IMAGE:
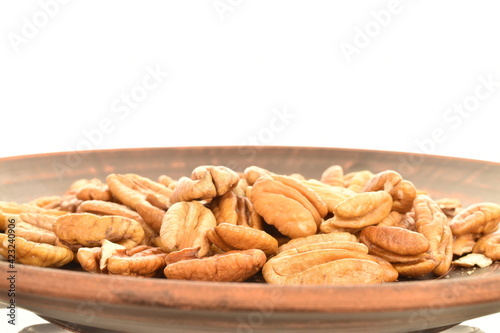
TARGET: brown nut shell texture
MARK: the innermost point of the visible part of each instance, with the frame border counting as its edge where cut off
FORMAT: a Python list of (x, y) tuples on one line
[(229, 237), (232, 266), (35, 254), (88, 230), (206, 182), (310, 265), (186, 225), (402, 191), (481, 218), (284, 202)]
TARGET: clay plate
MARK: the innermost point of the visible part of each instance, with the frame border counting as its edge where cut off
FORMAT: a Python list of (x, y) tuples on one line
[(87, 302)]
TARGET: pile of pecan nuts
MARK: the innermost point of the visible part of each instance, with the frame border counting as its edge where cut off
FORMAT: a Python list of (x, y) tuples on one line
[(219, 225)]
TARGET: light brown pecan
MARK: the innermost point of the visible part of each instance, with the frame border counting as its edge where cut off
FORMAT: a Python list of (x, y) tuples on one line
[(149, 198), (306, 265), (94, 190), (464, 244), (331, 195), (206, 182), (402, 191), (237, 210), (186, 225), (241, 187), (431, 222), (167, 182), (318, 238), (34, 234), (83, 189), (473, 259), (489, 245), (252, 173), (187, 253), (333, 175), (415, 268), (142, 261), (106, 208), (395, 219), (450, 206), (232, 266), (12, 209), (355, 181), (89, 258), (108, 249), (39, 220), (285, 203), (394, 240), (88, 230), (230, 237), (359, 211), (35, 254), (47, 202), (482, 218), (131, 188)]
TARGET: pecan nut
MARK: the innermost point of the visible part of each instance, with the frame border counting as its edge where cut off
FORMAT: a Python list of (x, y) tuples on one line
[(331, 195), (359, 211), (88, 230), (106, 208), (355, 181), (206, 182), (186, 225), (489, 245), (402, 191), (237, 210), (149, 198), (464, 244), (284, 202), (36, 254), (229, 237), (232, 266), (333, 175), (89, 258), (318, 238), (431, 222), (482, 218), (143, 261), (327, 266), (34, 234), (8, 209)]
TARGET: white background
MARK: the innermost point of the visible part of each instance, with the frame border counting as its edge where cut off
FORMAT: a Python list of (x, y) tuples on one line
[(234, 65)]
